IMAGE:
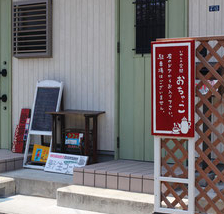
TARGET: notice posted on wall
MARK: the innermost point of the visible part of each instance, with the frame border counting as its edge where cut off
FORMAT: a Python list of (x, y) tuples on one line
[(64, 163)]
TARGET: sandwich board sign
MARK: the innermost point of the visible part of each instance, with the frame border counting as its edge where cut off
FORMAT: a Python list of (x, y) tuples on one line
[(173, 101), (64, 163), (173, 94), (47, 98)]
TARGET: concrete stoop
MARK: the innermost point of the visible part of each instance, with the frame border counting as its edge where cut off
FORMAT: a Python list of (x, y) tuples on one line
[(37, 182), (7, 187), (39, 188), (104, 200), (21, 204)]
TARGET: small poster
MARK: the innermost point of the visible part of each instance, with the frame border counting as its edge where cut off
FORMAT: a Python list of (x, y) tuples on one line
[(73, 139), (40, 153), (27, 125), (64, 163)]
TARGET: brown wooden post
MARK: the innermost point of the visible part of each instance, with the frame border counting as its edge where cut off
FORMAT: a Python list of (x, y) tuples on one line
[(54, 143), (95, 139), (87, 153), (62, 117)]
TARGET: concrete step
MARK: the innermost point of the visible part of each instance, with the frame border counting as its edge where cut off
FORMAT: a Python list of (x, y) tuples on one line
[(7, 187), (104, 200), (37, 182), (21, 204)]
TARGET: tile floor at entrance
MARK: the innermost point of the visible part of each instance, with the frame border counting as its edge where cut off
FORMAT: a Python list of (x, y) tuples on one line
[(128, 175), (10, 161)]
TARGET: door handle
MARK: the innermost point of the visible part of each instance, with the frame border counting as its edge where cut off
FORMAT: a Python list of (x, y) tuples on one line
[(3, 98), (3, 72)]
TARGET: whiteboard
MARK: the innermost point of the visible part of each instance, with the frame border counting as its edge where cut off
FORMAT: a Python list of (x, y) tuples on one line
[(64, 163)]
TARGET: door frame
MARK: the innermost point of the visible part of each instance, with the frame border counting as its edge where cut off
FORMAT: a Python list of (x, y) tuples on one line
[(117, 81), (6, 62), (117, 64)]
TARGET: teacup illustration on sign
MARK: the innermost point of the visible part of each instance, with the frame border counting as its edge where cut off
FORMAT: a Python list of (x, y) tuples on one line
[(184, 126), (176, 130)]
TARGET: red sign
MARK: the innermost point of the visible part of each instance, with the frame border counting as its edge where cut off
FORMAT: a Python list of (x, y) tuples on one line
[(18, 142), (173, 83)]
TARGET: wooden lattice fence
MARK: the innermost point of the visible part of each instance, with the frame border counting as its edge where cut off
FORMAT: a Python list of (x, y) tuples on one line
[(209, 163)]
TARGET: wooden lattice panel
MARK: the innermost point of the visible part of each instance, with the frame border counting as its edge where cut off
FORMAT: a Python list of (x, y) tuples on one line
[(173, 160), (174, 151), (209, 129), (209, 180), (174, 195)]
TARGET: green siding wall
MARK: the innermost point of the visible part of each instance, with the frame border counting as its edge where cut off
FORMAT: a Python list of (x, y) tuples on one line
[(176, 18), (5, 82)]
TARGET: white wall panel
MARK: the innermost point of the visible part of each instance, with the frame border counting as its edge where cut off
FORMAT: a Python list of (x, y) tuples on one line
[(83, 58), (205, 23)]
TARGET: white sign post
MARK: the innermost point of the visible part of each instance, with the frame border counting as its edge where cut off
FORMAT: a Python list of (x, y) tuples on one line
[(190, 181), (173, 110)]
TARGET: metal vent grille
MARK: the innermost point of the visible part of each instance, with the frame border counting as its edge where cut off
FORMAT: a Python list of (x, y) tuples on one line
[(32, 29)]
